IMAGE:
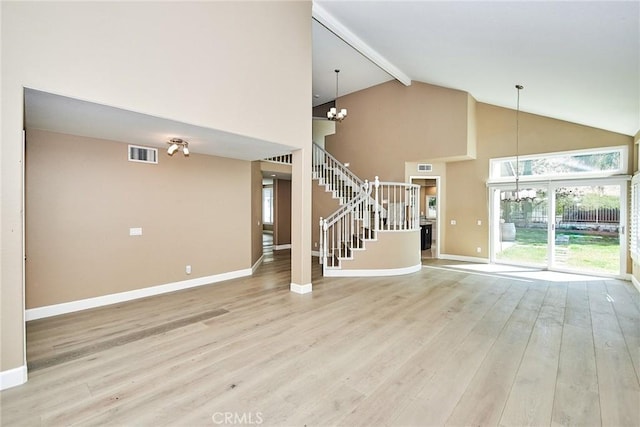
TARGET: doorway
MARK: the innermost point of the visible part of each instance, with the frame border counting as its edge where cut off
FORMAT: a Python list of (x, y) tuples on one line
[(573, 226), (429, 214)]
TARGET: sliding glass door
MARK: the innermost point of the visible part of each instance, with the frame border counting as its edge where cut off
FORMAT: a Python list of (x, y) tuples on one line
[(575, 226), (522, 226), (588, 227)]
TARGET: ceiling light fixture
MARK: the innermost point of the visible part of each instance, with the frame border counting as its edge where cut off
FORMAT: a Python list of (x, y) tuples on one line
[(177, 144), (518, 195), (333, 114)]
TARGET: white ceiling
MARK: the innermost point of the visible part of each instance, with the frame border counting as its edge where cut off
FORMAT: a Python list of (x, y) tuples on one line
[(72, 116), (578, 61)]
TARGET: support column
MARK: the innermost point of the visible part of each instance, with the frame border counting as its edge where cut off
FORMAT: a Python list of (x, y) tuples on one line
[(301, 221)]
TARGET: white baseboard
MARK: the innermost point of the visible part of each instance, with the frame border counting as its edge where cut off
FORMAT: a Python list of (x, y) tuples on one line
[(281, 247), (635, 282), (330, 272), (257, 264), (84, 304), (13, 377), (301, 289), (464, 258)]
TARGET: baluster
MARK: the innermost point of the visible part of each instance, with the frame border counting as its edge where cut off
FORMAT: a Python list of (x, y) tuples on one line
[(376, 206)]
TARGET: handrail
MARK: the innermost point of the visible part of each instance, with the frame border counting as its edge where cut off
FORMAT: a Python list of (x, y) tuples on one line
[(395, 208), (331, 172)]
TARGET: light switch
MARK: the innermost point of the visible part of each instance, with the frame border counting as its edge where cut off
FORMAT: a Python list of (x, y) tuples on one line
[(479, 222), (453, 222), (135, 231)]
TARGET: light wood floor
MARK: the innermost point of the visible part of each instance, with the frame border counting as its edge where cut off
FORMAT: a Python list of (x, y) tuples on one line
[(436, 347)]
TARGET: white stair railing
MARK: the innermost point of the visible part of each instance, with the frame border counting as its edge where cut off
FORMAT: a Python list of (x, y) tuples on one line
[(393, 206), (334, 175), (346, 229), (396, 207)]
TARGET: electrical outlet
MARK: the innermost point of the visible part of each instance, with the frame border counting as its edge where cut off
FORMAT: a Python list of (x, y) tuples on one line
[(453, 222), (315, 244), (187, 269), (479, 222), (478, 249)]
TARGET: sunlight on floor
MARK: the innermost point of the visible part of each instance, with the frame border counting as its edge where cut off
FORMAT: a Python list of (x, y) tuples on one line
[(521, 273)]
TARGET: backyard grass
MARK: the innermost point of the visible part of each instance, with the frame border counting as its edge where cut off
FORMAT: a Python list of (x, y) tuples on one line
[(589, 252)]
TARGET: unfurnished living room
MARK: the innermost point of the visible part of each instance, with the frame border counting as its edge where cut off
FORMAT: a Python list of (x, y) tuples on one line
[(298, 213)]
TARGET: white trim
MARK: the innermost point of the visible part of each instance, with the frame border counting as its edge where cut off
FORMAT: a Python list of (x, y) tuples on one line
[(13, 377), (301, 289), (327, 20), (257, 264), (464, 258), (84, 304), (330, 272), (636, 283), (281, 247), (315, 253)]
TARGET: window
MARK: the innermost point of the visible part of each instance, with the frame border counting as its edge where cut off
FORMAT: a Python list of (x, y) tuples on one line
[(267, 205), (581, 163)]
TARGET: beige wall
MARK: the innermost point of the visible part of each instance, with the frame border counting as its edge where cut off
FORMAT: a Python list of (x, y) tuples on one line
[(282, 212), (256, 212), (392, 250), (467, 194), (82, 196), (390, 124), (140, 56)]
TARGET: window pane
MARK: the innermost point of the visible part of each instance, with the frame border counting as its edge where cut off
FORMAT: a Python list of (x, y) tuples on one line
[(598, 163)]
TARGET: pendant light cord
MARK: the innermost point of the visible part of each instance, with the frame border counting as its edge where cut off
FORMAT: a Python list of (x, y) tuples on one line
[(519, 87)]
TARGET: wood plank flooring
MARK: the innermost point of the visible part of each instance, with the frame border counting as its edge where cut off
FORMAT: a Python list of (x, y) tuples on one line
[(442, 346)]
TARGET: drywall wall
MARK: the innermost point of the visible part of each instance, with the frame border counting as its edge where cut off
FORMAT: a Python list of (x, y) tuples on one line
[(139, 56), (256, 212), (282, 212), (390, 124), (466, 191), (83, 196), (391, 251)]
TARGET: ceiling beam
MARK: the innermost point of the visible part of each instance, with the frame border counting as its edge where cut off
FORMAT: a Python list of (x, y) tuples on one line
[(321, 15)]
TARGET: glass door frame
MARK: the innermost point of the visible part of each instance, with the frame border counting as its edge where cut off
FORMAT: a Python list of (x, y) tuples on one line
[(551, 187)]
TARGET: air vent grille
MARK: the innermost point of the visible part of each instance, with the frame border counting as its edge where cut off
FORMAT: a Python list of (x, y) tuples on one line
[(425, 167), (143, 154)]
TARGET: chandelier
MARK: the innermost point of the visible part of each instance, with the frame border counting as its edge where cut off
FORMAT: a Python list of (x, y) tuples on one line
[(333, 114), (177, 144), (518, 195)]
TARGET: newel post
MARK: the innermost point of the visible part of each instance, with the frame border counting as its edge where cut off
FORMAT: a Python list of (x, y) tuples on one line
[(321, 242), (376, 205)]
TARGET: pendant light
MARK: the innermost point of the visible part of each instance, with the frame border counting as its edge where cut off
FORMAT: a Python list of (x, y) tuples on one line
[(518, 195), (333, 114)]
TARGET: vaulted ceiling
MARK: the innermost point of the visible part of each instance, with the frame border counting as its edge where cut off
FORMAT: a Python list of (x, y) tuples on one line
[(578, 61)]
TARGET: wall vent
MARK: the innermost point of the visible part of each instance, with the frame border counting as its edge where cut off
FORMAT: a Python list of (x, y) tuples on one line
[(143, 154), (425, 167)]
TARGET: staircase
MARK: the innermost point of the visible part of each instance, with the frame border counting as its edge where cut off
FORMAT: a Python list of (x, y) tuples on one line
[(366, 210)]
